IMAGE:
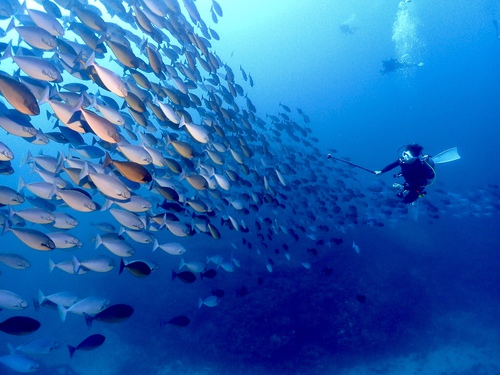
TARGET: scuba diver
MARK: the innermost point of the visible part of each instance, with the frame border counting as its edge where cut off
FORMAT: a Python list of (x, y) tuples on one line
[(347, 29), (417, 170), (391, 65)]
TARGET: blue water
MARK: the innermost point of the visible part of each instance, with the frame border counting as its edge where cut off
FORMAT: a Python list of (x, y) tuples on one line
[(421, 297)]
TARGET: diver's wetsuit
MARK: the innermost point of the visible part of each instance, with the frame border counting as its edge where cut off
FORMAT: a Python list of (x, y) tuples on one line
[(416, 175)]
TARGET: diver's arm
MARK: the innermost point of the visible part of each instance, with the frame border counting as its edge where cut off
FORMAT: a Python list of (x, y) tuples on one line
[(391, 166)]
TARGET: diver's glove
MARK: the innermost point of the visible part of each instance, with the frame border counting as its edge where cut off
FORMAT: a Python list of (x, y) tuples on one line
[(377, 173)]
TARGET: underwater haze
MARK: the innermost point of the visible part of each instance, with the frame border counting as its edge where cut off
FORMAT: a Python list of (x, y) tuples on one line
[(188, 187)]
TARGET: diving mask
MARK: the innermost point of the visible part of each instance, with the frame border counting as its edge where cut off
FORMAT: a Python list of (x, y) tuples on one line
[(407, 157)]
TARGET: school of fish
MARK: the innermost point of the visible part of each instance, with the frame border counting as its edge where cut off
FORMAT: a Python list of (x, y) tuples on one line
[(133, 123)]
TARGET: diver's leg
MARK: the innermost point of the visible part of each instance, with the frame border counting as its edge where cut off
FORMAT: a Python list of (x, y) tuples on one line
[(411, 196)]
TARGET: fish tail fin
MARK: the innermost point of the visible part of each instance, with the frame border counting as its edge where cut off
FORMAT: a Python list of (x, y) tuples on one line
[(23, 8), (182, 122), (88, 320), (6, 227), (76, 265), (107, 205), (144, 221), (53, 191), (93, 103), (90, 61), (182, 264), (183, 175), (71, 351), (76, 116), (174, 275), (52, 265), (27, 158), (11, 25), (8, 52), (122, 266), (41, 297), (98, 241), (107, 160), (84, 173), (162, 323), (78, 106), (156, 245), (163, 221), (11, 212), (200, 303), (63, 312), (45, 96), (61, 157)]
